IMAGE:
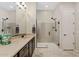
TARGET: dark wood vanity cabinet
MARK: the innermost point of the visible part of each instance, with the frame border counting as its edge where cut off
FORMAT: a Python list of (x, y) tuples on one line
[(24, 51), (27, 50), (31, 47)]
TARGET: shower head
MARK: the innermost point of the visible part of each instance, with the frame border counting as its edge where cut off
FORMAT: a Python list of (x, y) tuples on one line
[(53, 18), (5, 18)]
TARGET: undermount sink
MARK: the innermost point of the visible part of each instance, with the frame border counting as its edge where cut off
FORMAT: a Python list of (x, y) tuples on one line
[(5, 39)]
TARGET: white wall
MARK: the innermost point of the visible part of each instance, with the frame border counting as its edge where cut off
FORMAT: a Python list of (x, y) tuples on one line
[(21, 19), (31, 16)]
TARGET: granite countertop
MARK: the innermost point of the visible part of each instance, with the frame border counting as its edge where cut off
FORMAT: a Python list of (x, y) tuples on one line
[(17, 43)]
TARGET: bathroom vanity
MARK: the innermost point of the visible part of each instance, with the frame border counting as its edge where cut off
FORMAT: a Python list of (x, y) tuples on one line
[(27, 49), (19, 47)]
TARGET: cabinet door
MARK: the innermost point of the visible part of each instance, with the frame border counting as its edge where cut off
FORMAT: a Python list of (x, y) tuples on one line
[(16, 55), (21, 53), (30, 48), (33, 44), (26, 51)]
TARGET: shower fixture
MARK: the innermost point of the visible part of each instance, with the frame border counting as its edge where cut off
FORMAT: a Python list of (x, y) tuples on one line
[(53, 18), (4, 19), (55, 23)]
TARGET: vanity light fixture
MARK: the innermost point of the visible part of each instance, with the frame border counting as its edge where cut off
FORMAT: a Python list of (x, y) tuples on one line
[(21, 5)]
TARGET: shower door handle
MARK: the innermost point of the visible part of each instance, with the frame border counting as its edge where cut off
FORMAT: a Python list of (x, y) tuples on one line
[(65, 34)]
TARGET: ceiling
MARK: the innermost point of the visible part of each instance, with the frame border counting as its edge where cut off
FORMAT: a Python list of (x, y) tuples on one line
[(47, 5), (8, 6)]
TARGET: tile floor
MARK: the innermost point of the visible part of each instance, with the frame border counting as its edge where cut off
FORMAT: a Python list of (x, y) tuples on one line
[(52, 50)]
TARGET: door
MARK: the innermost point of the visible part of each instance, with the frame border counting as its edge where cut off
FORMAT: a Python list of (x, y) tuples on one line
[(67, 34), (68, 28)]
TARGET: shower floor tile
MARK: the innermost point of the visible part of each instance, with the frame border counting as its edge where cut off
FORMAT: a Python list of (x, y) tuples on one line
[(52, 50)]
